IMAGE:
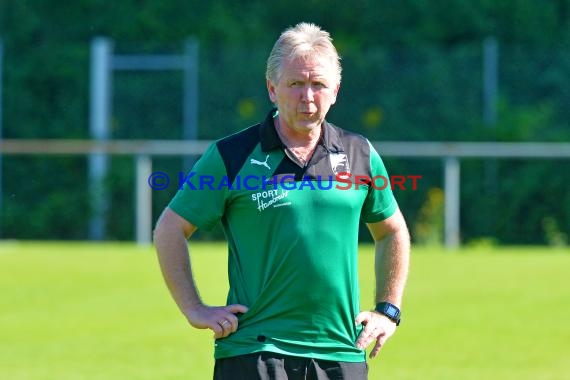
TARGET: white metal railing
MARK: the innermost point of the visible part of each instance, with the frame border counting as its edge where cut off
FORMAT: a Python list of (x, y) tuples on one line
[(143, 150)]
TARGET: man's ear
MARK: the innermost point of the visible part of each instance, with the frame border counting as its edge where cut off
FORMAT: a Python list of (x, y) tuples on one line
[(271, 91), (336, 93)]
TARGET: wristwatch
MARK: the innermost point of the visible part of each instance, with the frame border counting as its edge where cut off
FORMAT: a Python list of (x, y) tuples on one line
[(389, 310)]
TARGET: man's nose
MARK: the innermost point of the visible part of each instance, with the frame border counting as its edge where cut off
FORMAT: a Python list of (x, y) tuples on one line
[(307, 94)]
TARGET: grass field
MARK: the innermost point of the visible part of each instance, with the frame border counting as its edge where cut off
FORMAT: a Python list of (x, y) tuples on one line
[(101, 311)]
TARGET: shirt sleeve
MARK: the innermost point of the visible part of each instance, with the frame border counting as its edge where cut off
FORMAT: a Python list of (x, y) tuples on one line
[(380, 202), (201, 196)]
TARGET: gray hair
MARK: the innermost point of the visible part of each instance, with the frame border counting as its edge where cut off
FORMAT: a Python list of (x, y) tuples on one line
[(302, 40)]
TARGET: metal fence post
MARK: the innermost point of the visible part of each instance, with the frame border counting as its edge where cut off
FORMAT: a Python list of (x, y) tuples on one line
[(100, 110), (143, 212), (190, 101), (452, 200)]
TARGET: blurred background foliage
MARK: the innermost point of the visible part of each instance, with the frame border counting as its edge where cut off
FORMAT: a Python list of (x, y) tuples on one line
[(412, 71)]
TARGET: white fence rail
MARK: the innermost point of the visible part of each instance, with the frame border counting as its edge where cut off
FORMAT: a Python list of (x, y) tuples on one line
[(143, 150)]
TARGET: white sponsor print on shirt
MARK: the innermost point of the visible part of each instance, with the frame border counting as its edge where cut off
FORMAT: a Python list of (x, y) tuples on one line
[(269, 198)]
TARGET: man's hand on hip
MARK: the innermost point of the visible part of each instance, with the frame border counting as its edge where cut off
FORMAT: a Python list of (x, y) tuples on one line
[(222, 320), (376, 327)]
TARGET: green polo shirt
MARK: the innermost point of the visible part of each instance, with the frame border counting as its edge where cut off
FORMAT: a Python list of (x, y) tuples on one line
[(292, 236)]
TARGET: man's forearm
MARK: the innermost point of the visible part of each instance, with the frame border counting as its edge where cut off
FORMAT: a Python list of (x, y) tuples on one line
[(392, 256), (174, 260)]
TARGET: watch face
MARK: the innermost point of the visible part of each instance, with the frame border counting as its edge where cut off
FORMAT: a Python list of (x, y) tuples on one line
[(389, 310)]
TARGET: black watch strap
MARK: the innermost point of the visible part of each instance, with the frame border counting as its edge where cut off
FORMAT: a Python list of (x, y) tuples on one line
[(389, 310)]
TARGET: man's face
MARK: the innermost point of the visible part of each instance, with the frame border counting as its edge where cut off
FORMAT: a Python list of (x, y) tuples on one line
[(305, 92)]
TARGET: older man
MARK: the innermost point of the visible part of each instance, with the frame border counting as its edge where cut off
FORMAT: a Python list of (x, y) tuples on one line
[(293, 308)]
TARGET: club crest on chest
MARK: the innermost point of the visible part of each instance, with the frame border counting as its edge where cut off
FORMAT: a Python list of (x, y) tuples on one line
[(339, 163)]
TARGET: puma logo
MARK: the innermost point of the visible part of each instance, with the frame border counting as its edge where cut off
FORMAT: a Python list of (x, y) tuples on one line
[(253, 161)]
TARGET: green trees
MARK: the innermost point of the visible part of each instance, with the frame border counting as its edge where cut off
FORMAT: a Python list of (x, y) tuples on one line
[(412, 71)]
